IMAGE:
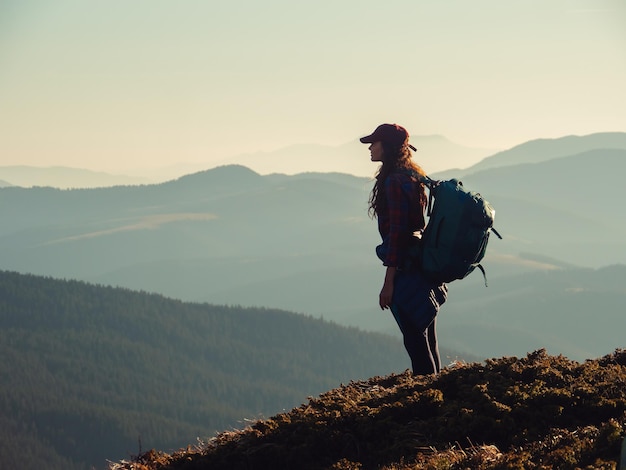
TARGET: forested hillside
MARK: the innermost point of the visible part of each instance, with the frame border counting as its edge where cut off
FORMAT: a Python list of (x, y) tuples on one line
[(91, 373)]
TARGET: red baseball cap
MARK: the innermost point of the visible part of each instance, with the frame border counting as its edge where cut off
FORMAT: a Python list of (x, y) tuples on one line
[(390, 133)]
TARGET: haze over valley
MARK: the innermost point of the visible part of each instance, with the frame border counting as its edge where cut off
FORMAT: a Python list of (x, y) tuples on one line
[(304, 243)]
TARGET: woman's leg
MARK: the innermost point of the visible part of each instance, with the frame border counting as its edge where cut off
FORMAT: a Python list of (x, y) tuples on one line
[(417, 344), (422, 360), (433, 345)]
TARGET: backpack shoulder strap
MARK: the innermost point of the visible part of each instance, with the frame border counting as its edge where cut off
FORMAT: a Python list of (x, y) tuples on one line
[(430, 184)]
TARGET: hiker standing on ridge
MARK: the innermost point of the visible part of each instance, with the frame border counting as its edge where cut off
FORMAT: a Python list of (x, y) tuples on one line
[(398, 200)]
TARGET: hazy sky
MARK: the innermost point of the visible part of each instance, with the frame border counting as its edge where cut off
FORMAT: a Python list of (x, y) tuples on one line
[(115, 84)]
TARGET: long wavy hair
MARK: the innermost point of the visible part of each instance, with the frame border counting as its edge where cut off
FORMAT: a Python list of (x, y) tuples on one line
[(394, 158)]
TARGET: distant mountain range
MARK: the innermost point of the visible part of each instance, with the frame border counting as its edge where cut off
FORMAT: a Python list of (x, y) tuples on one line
[(435, 153), (63, 177), (304, 242), (541, 150)]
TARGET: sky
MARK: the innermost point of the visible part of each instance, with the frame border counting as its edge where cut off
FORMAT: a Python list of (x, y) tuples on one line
[(119, 84)]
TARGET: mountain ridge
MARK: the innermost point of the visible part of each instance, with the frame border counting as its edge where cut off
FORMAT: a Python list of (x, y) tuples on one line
[(538, 150), (352, 157), (349, 158), (65, 177)]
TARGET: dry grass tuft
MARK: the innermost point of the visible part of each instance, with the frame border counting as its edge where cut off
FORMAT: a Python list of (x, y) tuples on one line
[(537, 412)]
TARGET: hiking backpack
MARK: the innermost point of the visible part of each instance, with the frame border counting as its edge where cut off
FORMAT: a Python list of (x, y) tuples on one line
[(455, 238)]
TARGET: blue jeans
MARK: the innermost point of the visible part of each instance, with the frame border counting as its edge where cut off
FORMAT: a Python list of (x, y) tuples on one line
[(415, 305), (421, 345)]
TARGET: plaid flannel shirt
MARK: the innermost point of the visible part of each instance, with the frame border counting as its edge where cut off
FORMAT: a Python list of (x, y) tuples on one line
[(400, 217)]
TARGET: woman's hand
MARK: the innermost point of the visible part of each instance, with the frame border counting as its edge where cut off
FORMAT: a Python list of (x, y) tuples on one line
[(386, 293)]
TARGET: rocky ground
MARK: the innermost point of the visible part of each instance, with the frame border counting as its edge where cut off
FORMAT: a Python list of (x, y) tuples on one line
[(537, 412)]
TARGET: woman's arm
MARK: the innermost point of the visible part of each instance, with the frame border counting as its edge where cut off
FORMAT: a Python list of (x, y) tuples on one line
[(398, 213), (386, 293)]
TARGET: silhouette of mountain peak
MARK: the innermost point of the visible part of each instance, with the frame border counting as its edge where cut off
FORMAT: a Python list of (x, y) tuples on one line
[(222, 176)]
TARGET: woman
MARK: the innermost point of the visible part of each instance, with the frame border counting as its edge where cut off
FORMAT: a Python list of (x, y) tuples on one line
[(398, 201)]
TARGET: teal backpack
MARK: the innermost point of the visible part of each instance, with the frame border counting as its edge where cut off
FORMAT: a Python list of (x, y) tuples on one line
[(455, 239)]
